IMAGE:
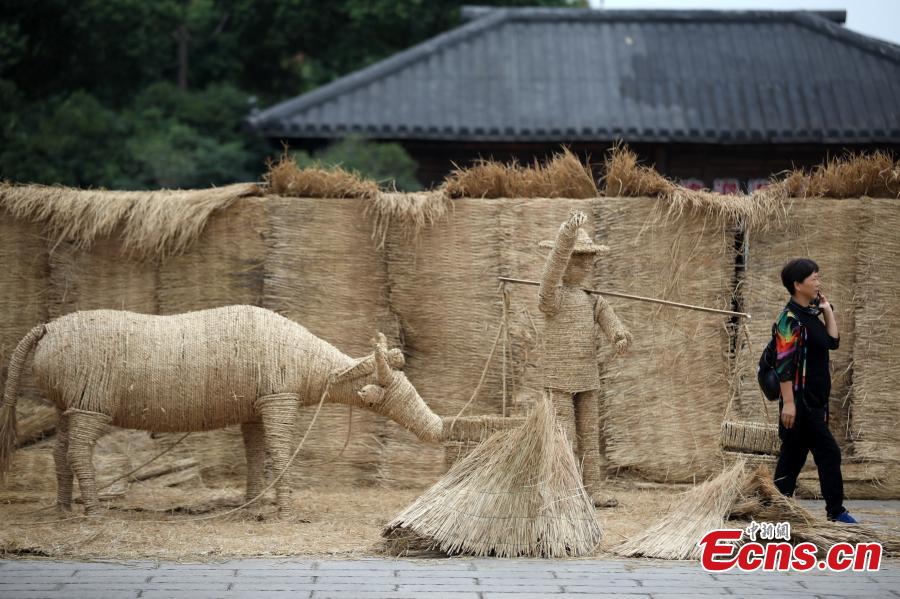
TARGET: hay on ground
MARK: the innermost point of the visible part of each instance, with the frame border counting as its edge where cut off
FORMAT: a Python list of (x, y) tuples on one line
[(691, 515), (285, 178), (740, 494), (153, 223), (563, 176), (518, 494), (876, 353)]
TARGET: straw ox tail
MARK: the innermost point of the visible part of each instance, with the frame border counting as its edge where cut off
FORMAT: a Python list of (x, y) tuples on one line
[(8, 408)]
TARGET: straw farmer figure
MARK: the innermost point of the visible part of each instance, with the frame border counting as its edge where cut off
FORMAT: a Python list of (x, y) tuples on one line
[(571, 369)]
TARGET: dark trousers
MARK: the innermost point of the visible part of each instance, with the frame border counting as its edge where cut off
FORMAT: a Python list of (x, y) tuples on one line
[(810, 433)]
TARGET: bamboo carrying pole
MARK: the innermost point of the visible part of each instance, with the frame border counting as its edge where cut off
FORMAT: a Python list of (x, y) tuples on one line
[(637, 297)]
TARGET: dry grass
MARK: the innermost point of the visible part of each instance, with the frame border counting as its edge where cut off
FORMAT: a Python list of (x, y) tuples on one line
[(285, 178), (741, 495), (153, 223), (563, 176), (876, 175), (410, 212), (691, 515), (624, 177)]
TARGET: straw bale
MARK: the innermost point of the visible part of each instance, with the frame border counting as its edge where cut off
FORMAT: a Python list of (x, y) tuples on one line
[(155, 223), (563, 176), (518, 494), (876, 367), (827, 231), (285, 178), (663, 403), (23, 300), (323, 270), (691, 515), (443, 288)]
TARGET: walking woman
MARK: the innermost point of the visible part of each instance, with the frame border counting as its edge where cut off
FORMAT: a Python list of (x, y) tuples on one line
[(802, 341)]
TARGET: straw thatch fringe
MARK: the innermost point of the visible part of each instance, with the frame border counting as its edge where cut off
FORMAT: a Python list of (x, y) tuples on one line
[(563, 176), (285, 178), (854, 175), (410, 212), (154, 223), (624, 177), (324, 270), (876, 376), (518, 494)]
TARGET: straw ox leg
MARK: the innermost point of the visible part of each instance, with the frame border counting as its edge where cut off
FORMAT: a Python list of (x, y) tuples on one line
[(255, 451), (84, 430), (64, 475), (278, 413)]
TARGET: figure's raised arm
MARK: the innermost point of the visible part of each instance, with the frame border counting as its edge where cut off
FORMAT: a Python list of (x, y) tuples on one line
[(612, 327), (557, 262)]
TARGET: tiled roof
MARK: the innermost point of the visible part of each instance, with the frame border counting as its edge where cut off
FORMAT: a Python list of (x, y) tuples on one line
[(592, 75)]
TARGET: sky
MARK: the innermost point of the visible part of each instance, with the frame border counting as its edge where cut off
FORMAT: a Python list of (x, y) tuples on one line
[(875, 18)]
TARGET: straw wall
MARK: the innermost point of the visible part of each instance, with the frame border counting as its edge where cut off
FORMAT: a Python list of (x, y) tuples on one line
[(23, 303), (663, 404), (876, 376), (827, 231), (443, 287), (324, 272)]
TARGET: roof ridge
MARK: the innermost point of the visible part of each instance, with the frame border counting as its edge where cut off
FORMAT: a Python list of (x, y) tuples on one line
[(879, 47), (379, 68)]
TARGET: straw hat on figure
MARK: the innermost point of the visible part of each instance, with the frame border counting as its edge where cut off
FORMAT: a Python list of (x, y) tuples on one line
[(571, 369)]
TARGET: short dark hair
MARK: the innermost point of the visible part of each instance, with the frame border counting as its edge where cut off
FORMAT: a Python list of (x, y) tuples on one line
[(796, 271)]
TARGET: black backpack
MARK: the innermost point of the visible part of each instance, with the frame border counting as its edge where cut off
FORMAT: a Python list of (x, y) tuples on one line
[(765, 372)]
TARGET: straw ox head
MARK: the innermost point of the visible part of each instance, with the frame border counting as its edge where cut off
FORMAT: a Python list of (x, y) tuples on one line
[(377, 383)]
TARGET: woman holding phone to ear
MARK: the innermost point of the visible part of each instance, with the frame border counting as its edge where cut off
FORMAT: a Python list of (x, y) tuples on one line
[(802, 343)]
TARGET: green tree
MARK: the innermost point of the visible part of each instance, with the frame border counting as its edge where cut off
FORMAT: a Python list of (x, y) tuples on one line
[(387, 163), (131, 94)]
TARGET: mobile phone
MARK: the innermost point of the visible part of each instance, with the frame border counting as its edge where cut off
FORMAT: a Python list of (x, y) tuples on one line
[(817, 300)]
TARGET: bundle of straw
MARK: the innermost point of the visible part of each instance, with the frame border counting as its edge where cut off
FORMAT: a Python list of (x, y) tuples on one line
[(692, 515), (517, 494)]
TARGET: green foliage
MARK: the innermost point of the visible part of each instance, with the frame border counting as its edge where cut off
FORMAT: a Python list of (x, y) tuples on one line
[(89, 94), (386, 163)]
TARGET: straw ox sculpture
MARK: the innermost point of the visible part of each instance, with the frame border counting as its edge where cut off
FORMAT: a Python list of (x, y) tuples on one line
[(193, 372)]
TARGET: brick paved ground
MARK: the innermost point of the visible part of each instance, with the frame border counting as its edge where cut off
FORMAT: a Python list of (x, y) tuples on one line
[(430, 579), (440, 578)]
